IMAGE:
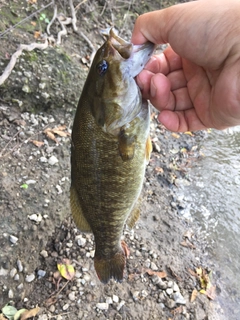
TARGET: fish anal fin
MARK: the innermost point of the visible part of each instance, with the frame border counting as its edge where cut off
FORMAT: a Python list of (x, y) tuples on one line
[(126, 145), (134, 215), (110, 268), (148, 148), (77, 213)]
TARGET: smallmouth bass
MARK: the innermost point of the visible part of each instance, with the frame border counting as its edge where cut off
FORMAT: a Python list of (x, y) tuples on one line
[(109, 151)]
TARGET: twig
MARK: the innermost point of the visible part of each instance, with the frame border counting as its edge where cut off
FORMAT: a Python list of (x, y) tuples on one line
[(62, 22), (78, 6), (20, 22), (53, 19), (27, 47), (90, 45), (74, 19)]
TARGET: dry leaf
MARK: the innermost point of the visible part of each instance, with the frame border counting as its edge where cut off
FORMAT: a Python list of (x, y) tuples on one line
[(66, 269), (211, 292), (33, 23), (50, 135), (30, 313), (175, 135), (160, 274), (192, 272), (189, 133), (159, 169), (61, 133), (37, 143), (194, 295), (37, 34)]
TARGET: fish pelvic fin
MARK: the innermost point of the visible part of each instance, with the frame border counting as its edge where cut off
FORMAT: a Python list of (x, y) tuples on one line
[(110, 268), (77, 213), (148, 148)]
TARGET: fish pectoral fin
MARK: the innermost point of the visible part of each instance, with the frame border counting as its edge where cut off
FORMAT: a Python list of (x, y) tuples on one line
[(126, 145), (148, 148), (77, 213)]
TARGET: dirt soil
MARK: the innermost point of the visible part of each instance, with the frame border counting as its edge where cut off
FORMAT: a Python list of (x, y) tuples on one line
[(37, 230)]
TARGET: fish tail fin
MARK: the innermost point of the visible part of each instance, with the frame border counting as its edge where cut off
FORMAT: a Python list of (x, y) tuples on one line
[(110, 268)]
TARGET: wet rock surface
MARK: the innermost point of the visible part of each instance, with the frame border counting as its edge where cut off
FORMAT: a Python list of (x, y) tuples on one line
[(36, 226)]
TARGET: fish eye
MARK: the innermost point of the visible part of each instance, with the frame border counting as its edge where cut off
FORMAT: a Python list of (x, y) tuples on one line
[(102, 67)]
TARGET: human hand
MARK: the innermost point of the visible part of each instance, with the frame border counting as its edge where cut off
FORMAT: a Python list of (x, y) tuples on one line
[(195, 83)]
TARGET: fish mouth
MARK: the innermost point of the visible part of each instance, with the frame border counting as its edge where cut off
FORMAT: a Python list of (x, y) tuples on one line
[(134, 57)]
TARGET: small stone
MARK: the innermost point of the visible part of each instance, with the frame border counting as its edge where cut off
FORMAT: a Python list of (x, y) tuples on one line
[(44, 253), (81, 241), (35, 217), (170, 284), (71, 296), (120, 305), (153, 266), (13, 239), (144, 294), (10, 294), (87, 277), (13, 272), (3, 272), (52, 308), (78, 274), (30, 277), (20, 287), (109, 300), (159, 282), (178, 298), (43, 159), (102, 306), (169, 291), (41, 273), (16, 278), (170, 303), (135, 295), (115, 298), (65, 307), (52, 160), (20, 266), (43, 317), (175, 287), (30, 181)]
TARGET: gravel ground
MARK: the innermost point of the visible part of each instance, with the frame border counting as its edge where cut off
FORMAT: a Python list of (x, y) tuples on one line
[(37, 231)]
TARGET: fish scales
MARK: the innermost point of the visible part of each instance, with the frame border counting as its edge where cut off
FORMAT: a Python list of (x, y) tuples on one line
[(110, 147)]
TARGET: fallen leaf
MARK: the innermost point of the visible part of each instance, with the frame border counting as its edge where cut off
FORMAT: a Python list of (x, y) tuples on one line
[(37, 143), (33, 23), (37, 34), (159, 169), (66, 269), (175, 135), (61, 133), (194, 295), (189, 133), (50, 135), (193, 273), (9, 311), (211, 292), (160, 274), (30, 313), (18, 314)]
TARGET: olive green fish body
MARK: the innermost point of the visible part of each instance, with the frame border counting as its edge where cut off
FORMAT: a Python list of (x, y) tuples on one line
[(109, 152)]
